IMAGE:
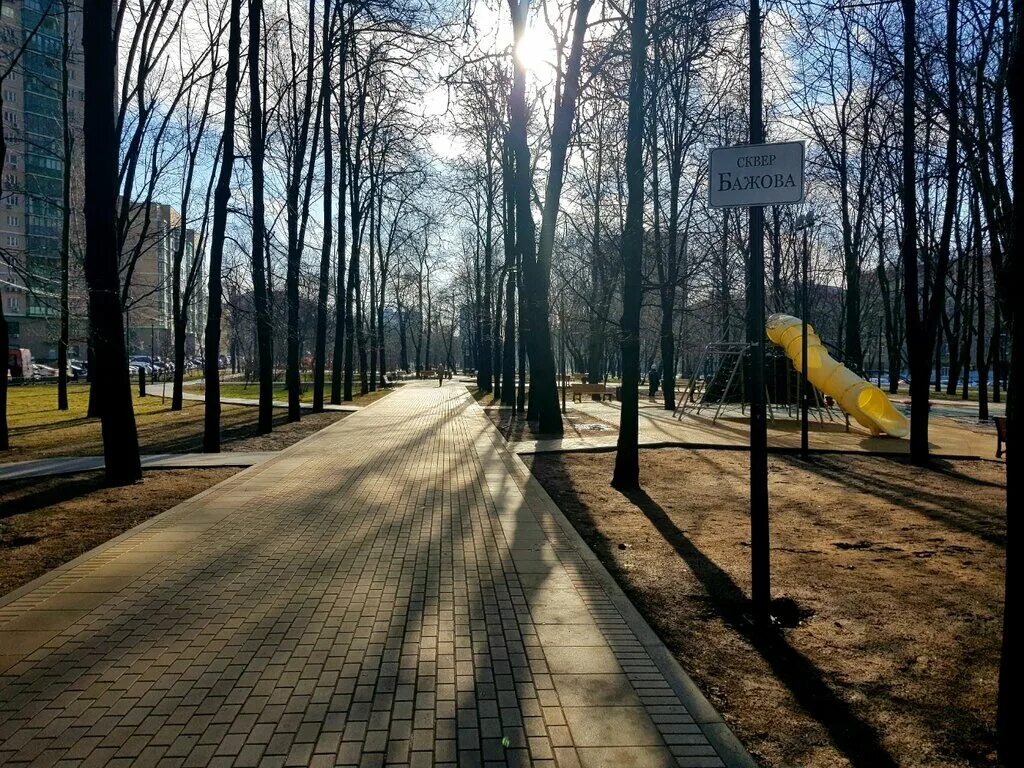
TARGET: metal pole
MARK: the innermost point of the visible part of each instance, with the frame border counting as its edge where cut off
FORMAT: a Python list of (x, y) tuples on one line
[(760, 570), (561, 344), (879, 353), (805, 385)]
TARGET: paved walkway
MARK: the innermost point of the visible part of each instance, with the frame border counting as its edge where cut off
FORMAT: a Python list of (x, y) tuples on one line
[(69, 465), (395, 589), (947, 436)]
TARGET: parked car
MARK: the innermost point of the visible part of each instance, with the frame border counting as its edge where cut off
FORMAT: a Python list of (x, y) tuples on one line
[(143, 362), (40, 371)]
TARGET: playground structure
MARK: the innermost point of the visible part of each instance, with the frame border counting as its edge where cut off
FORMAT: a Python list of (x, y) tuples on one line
[(719, 381), (856, 396)]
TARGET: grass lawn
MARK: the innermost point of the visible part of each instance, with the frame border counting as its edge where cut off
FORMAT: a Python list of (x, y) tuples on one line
[(888, 581), (251, 391), (39, 430)]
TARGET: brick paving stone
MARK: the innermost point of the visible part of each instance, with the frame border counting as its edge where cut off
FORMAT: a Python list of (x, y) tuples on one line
[(394, 590)]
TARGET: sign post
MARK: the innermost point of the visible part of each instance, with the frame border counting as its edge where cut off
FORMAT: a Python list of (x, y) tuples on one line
[(757, 175), (754, 176)]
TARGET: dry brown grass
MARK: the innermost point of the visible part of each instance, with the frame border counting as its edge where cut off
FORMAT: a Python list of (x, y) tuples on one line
[(46, 522), (891, 577)]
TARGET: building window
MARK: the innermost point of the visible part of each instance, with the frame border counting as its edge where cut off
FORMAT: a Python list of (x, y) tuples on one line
[(14, 304)]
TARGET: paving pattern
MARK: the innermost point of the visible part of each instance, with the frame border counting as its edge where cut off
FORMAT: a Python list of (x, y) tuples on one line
[(394, 590)]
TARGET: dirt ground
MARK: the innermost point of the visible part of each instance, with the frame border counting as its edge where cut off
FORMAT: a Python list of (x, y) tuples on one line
[(891, 577), (46, 522), (284, 434)]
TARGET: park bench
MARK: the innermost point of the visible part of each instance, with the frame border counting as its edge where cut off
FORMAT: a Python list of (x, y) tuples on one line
[(1001, 440), (579, 390)]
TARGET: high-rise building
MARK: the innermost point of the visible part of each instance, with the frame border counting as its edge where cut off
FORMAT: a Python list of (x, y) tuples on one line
[(154, 236), (31, 192)]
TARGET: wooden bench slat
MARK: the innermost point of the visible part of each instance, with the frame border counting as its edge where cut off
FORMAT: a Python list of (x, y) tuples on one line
[(579, 390)]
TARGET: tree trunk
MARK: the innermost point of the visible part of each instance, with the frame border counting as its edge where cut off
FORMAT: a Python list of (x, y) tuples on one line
[(320, 351), (537, 257), (65, 229), (981, 349), (627, 455), (1007, 739), (508, 355), (296, 213), (261, 302), (340, 290), (110, 370), (221, 198), (918, 347), (5, 341)]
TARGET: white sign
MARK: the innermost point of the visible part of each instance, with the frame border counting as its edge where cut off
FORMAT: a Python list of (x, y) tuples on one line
[(757, 174)]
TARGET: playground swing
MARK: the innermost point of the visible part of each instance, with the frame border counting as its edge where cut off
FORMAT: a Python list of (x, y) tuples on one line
[(719, 383)]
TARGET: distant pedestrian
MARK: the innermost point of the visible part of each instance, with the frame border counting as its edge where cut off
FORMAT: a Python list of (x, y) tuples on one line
[(440, 376), (653, 380)]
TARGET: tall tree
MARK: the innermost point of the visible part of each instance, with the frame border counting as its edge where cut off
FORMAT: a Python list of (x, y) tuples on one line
[(320, 353), (536, 256), (65, 219), (340, 290), (627, 456), (221, 198), (257, 154), (187, 262), (1009, 741), (110, 359), (296, 136)]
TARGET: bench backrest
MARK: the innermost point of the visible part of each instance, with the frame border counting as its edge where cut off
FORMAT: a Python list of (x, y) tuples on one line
[(589, 389)]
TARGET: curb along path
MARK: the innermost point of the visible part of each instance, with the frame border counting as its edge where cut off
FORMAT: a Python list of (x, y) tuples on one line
[(392, 590)]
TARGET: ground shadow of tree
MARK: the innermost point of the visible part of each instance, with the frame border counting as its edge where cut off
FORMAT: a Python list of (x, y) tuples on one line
[(851, 735)]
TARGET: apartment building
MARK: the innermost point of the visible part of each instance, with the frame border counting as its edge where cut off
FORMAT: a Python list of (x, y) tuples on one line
[(154, 235), (31, 187)]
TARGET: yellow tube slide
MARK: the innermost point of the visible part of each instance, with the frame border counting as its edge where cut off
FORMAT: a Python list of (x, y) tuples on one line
[(859, 398)]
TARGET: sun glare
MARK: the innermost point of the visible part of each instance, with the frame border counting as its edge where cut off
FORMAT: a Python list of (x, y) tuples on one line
[(535, 51)]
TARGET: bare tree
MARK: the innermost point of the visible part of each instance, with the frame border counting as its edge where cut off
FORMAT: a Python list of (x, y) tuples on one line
[(110, 377), (627, 459), (221, 198)]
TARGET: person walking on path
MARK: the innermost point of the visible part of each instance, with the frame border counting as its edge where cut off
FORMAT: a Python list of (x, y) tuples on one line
[(440, 376), (654, 380)]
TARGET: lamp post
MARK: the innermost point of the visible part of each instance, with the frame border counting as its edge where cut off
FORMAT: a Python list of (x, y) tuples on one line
[(804, 222), (561, 341), (879, 376)]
